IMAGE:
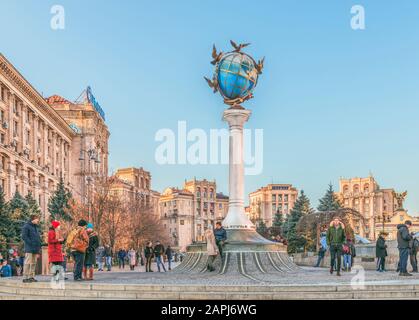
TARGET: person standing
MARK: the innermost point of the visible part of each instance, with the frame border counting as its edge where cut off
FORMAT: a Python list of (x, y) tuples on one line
[(347, 250), (149, 254), (158, 253), (335, 238), (55, 251), (322, 249), (90, 257), (108, 258), (169, 255), (414, 244), (6, 269), (220, 237), (381, 252), (32, 240), (100, 256), (403, 244), (78, 241), (212, 249), (122, 254), (132, 257)]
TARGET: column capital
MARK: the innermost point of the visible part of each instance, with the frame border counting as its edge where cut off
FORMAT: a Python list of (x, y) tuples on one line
[(236, 117)]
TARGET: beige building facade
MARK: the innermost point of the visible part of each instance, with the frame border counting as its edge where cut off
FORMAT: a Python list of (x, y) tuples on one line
[(265, 202), (368, 198), (43, 140), (35, 141), (186, 213)]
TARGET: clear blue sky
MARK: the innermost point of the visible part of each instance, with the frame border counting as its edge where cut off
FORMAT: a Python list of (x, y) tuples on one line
[(332, 101)]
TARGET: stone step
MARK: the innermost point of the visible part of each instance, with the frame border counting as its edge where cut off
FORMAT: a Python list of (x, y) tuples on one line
[(17, 290)]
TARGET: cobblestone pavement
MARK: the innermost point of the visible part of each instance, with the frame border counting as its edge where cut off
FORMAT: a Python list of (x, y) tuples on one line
[(305, 276)]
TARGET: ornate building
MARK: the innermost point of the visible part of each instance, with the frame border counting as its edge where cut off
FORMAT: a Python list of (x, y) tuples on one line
[(265, 202), (187, 212), (365, 196), (135, 183), (89, 153), (36, 143)]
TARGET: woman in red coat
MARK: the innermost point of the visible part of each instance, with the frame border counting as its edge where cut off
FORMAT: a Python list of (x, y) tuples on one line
[(55, 254)]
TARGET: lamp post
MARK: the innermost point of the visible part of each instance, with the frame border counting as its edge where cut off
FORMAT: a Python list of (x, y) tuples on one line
[(92, 155)]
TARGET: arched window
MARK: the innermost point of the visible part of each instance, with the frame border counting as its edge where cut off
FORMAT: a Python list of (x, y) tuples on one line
[(366, 187), (356, 188), (345, 188)]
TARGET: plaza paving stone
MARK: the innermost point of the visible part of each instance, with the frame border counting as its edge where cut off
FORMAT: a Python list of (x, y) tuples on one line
[(306, 276)]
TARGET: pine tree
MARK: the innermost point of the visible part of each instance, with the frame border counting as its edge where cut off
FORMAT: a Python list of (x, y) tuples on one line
[(33, 208), (262, 229), (19, 215), (329, 202), (301, 207), (6, 226), (59, 203), (277, 225)]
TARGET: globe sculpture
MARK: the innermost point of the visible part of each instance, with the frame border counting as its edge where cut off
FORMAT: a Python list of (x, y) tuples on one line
[(236, 75), (245, 251)]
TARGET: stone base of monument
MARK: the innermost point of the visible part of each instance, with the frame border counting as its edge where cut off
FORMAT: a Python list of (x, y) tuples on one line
[(245, 252)]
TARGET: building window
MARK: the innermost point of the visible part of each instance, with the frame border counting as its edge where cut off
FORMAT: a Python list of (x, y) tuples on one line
[(274, 198), (286, 198), (279, 197), (15, 128), (2, 138)]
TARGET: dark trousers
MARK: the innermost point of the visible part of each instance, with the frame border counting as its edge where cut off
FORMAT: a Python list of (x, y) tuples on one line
[(381, 264), (403, 257), (148, 264), (210, 263), (320, 257), (121, 263), (78, 264), (414, 262), (220, 245), (335, 254)]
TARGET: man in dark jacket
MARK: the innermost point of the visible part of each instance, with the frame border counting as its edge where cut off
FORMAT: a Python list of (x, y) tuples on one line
[(381, 252), (403, 243), (335, 238), (169, 255), (158, 253), (32, 240), (220, 237), (108, 257), (122, 254)]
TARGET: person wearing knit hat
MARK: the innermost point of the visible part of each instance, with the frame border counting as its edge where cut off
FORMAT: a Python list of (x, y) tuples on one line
[(55, 255), (90, 257)]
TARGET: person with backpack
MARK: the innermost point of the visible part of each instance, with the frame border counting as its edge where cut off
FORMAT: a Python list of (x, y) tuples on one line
[(381, 252), (90, 256), (55, 251), (414, 243), (335, 237), (32, 240), (347, 255), (78, 241)]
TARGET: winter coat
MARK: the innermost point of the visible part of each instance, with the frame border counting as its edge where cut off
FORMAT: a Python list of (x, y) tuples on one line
[(403, 237), (220, 234), (169, 253), (381, 248), (148, 252), (6, 271), (55, 253), (212, 248), (80, 242), (158, 250), (414, 244), (108, 252), (335, 236), (31, 238), (90, 257), (100, 253), (132, 256), (122, 254)]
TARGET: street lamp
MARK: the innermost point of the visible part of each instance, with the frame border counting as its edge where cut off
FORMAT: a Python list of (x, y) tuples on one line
[(92, 155)]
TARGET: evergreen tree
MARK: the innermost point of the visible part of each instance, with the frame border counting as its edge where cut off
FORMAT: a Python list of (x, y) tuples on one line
[(19, 215), (276, 228), (262, 229), (59, 203), (329, 202), (6, 230), (301, 207), (33, 208)]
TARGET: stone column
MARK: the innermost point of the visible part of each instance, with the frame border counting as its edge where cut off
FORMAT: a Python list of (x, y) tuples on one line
[(236, 217)]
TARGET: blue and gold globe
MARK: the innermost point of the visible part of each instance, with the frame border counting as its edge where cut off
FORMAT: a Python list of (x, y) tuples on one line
[(236, 75)]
